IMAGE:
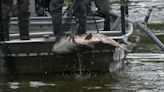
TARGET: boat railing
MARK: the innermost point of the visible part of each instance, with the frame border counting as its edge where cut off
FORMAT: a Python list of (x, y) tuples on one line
[(45, 24), (48, 20), (45, 28)]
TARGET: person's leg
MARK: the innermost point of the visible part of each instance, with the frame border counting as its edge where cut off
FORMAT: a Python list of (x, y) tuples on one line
[(103, 8), (80, 11), (6, 9), (55, 7), (23, 16)]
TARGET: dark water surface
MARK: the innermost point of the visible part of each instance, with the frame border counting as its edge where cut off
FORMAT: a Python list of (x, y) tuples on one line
[(142, 73), (143, 70)]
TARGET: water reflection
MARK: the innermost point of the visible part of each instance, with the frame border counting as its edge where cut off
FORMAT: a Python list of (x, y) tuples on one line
[(136, 76), (59, 83)]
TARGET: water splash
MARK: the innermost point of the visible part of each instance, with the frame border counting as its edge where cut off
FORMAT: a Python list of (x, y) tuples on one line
[(80, 63), (36, 84), (13, 85)]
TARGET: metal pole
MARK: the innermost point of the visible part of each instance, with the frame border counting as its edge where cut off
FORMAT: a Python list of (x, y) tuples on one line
[(151, 35), (123, 17), (143, 28), (127, 8), (1, 29), (148, 15)]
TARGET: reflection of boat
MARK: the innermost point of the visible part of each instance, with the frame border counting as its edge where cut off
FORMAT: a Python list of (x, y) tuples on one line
[(34, 55)]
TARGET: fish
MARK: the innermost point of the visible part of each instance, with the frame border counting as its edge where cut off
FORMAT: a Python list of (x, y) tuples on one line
[(68, 44), (76, 43)]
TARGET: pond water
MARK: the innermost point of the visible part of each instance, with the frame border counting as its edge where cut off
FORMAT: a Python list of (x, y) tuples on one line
[(138, 10), (141, 73), (143, 70)]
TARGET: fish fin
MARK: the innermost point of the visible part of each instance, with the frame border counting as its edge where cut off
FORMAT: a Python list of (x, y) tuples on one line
[(89, 36)]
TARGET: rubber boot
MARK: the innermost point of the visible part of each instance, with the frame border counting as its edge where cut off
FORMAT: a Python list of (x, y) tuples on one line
[(24, 30), (107, 23), (24, 27), (57, 29), (82, 26), (80, 11), (23, 16), (55, 8), (6, 26), (6, 9)]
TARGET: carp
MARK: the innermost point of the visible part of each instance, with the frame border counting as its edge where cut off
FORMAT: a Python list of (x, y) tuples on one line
[(68, 44)]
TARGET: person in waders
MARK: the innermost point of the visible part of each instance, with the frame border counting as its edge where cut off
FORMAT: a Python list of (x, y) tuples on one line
[(23, 16), (79, 10), (103, 11)]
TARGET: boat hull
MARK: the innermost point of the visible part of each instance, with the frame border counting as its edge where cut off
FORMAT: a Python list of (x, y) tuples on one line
[(35, 55), (89, 62), (38, 58)]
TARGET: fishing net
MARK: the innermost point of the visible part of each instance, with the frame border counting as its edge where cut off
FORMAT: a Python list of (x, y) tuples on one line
[(117, 62), (118, 56), (119, 53)]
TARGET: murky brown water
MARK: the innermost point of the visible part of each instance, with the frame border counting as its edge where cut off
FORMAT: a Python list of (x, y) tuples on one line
[(143, 71)]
